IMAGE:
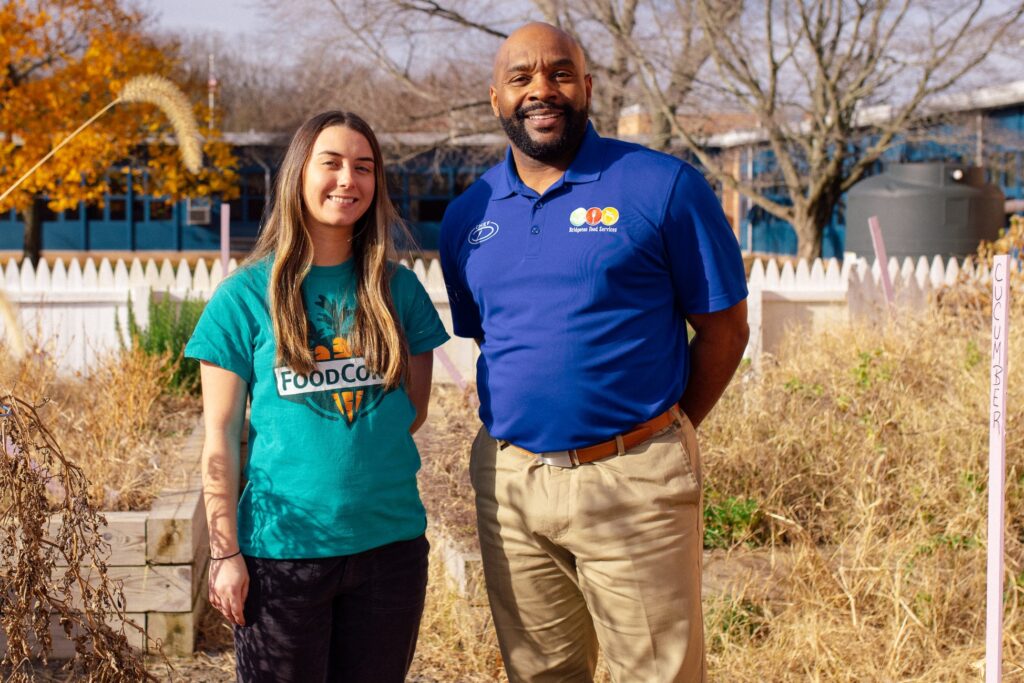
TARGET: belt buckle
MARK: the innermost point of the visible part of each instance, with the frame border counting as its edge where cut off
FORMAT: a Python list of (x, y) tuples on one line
[(563, 459)]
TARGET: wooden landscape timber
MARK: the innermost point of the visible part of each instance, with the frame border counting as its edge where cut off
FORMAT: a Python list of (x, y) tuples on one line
[(759, 573), (159, 557)]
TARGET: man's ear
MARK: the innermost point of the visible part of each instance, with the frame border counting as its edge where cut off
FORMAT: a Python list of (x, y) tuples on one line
[(589, 83), (494, 101)]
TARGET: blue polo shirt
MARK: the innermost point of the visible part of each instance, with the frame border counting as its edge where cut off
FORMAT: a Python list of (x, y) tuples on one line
[(580, 294)]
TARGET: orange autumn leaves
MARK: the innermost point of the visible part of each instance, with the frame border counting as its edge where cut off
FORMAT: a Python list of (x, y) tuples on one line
[(61, 61)]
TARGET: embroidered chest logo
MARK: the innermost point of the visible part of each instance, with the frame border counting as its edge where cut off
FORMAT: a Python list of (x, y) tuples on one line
[(483, 232), (594, 219), (340, 384)]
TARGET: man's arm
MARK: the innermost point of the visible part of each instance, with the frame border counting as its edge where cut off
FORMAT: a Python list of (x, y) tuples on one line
[(715, 353)]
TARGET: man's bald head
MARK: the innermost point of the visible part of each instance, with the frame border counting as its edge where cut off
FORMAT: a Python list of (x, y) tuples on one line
[(534, 37), (541, 93)]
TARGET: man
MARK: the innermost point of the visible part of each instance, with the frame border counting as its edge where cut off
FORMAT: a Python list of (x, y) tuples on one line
[(576, 264)]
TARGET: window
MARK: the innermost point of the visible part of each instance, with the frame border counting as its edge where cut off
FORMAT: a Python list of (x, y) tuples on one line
[(161, 209)]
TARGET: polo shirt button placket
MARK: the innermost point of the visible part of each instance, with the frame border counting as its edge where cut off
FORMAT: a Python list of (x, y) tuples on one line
[(534, 242)]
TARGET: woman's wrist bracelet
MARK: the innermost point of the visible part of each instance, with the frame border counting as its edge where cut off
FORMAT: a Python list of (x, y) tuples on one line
[(226, 557)]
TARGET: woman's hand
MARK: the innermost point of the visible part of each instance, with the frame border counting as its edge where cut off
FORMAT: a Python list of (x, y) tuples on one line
[(229, 586)]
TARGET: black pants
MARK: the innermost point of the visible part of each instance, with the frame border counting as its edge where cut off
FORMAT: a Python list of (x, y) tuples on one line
[(350, 619)]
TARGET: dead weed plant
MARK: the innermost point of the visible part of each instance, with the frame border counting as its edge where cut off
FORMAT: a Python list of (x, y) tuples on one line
[(54, 573)]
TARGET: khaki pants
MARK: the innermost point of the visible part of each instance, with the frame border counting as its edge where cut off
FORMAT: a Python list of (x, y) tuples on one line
[(608, 552)]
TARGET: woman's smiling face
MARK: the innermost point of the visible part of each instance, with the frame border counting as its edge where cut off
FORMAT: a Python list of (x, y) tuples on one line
[(338, 182)]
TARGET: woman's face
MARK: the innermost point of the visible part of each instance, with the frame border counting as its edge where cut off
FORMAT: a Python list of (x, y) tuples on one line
[(338, 181)]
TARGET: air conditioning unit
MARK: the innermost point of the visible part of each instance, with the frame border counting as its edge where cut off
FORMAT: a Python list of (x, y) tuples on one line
[(198, 212)]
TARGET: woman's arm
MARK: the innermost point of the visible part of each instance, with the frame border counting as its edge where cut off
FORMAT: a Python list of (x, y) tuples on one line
[(224, 395), (421, 370)]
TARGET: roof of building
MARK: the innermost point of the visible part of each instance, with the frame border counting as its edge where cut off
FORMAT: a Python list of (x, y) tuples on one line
[(979, 99)]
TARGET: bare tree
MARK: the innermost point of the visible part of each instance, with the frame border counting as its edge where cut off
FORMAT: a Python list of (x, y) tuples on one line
[(268, 92), (833, 84), (408, 39)]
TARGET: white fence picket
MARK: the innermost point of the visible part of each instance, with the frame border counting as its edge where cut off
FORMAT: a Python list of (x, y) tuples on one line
[(201, 279), (79, 311), (59, 280), (90, 276)]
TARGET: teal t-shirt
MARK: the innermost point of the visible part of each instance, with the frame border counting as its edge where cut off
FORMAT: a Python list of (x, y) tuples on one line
[(332, 467)]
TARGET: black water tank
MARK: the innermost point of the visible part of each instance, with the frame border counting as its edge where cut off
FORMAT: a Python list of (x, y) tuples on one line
[(924, 209)]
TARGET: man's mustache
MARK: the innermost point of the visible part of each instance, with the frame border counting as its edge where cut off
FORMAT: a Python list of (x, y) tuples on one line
[(523, 112)]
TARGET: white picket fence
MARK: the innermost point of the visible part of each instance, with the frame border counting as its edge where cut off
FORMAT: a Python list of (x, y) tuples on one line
[(78, 313), (828, 292), (75, 314)]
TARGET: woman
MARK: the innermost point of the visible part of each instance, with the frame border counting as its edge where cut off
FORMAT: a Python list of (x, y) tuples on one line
[(321, 564)]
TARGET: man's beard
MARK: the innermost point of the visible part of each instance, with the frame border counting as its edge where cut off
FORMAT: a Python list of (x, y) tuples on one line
[(559, 148)]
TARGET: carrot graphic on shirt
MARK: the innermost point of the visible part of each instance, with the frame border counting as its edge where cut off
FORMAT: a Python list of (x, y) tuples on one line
[(347, 402)]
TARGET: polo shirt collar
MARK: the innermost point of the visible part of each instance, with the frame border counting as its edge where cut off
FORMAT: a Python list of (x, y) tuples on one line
[(585, 167)]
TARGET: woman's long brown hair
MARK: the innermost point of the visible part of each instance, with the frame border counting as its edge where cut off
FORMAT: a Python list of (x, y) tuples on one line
[(376, 333)]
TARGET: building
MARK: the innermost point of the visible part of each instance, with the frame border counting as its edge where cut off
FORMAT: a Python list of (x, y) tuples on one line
[(423, 179), (983, 127)]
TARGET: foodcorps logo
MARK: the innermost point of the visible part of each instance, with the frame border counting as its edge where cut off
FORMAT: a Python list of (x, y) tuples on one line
[(609, 215), (483, 232)]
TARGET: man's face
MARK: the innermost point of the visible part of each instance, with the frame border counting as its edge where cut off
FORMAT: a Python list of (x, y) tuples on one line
[(541, 95)]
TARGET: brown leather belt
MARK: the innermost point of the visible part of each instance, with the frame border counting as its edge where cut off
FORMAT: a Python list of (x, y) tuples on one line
[(616, 446)]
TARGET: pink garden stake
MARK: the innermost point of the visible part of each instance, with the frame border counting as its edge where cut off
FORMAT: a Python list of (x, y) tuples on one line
[(883, 260), (997, 467), (453, 371), (225, 238)]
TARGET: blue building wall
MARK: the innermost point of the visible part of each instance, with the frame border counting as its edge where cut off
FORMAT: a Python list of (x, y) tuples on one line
[(132, 220), (422, 189)]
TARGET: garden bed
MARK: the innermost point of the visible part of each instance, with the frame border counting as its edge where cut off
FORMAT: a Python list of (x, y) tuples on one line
[(138, 447)]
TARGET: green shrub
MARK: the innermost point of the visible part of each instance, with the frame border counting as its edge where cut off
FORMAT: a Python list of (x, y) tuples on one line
[(730, 520), (170, 326)]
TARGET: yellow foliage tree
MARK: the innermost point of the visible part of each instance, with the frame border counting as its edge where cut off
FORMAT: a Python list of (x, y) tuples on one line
[(62, 61)]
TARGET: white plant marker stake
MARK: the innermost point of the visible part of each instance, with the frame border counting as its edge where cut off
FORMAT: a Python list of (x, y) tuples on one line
[(997, 467), (225, 237), (883, 260)]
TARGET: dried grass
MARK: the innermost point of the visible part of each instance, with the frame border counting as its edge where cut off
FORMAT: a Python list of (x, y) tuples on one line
[(152, 89), (172, 102), (116, 423), (866, 448), (444, 443), (457, 640)]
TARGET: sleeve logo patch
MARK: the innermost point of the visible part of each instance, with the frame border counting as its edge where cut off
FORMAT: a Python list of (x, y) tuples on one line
[(483, 232)]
